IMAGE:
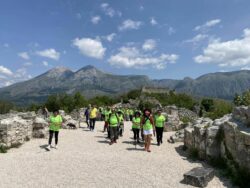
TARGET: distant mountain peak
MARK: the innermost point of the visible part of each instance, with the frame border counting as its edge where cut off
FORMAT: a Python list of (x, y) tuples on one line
[(58, 71)]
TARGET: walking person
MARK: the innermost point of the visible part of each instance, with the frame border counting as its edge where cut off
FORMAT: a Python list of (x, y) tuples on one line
[(148, 126), (107, 112), (121, 123), (55, 123), (136, 122), (113, 125), (159, 126), (93, 116), (86, 114)]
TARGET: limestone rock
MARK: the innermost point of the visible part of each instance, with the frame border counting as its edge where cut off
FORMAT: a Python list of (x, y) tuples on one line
[(199, 177)]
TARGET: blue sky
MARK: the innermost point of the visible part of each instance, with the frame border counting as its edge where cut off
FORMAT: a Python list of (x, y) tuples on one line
[(159, 38)]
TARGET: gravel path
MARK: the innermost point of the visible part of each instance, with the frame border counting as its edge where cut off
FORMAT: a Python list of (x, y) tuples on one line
[(85, 159)]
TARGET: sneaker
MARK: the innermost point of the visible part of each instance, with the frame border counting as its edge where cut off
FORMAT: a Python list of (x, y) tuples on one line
[(111, 143), (56, 147), (48, 147), (158, 144)]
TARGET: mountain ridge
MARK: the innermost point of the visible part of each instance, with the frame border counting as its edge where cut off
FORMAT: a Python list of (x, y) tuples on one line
[(91, 82)]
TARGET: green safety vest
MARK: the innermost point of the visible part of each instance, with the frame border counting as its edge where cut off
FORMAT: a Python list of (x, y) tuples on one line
[(107, 113), (136, 121), (55, 123), (159, 121)]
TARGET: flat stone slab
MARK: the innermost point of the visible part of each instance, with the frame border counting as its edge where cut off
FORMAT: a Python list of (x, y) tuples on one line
[(199, 177)]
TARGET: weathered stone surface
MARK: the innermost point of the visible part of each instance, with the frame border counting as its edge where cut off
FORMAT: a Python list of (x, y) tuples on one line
[(189, 137), (213, 142), (69, 120), (177, 137), (15, 131), (199, 177), (242, 114), (40, 128)]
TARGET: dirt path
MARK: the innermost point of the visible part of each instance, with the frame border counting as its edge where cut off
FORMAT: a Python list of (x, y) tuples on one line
[(85, 159)]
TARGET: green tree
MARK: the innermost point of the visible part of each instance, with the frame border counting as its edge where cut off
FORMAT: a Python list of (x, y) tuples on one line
[(207, 104), (79, 100)]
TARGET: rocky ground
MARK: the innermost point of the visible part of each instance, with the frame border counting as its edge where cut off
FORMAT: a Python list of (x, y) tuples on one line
[(85, 159)]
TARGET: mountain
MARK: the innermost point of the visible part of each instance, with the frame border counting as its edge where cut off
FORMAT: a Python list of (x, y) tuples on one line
[(222, 85), (88, 80), (92, 82)]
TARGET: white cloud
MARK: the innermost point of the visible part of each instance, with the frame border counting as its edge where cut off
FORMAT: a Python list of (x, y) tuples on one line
[(5, 71), (45, 63), (95, 19), (24, 55), (153, 21), (132, 57), (149, 44), (130, 24), (7, 77), (27, 64), (6, 45), (109, 11), (90, 47), (230, 53), (197, 38), (110, 37), (171, 30), (78, 16), (141, 8), (207, 25), (49, 53), (245, 68)]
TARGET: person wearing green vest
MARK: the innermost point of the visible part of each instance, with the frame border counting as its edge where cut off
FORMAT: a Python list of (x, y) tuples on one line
[(148, 126), (121, 123), (113, 126), (159, 126), (55, 123), (107, 111), (131, 113), (136, 122)]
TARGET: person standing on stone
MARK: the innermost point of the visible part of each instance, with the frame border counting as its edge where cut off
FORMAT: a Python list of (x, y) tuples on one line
[(147, 123), (113, 126), (159, 126), (55, 123), (86, 114), (136, 126), (93, 116)]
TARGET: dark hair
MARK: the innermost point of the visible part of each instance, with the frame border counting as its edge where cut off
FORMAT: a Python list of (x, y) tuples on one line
[(137, 113), (147, 109), (56, 110)]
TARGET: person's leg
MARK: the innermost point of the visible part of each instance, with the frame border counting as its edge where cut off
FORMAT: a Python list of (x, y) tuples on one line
[(145, 142), (137, 134), (116, 133), (93, 125), (108, 129), (149, 143), (157, 135), (134, 131), (142, 136), (56, 137), (87, 121), (111, 132), (50, 137), (161, 134)]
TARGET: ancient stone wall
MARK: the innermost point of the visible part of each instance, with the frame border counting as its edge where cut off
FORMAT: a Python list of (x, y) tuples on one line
[(226, 138)]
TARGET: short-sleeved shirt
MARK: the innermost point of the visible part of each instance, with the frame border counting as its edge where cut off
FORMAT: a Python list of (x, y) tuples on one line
[(136, 123), (93, 113), (159, 121), (55, 123)]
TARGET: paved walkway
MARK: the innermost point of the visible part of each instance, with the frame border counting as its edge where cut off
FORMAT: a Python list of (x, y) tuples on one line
[(85, 159)]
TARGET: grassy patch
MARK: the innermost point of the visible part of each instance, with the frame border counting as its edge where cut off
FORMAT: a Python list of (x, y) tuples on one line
[(3, 149)]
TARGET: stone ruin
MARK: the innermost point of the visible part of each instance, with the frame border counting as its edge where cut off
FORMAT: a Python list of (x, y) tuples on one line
[(227, 138), (18, 127)]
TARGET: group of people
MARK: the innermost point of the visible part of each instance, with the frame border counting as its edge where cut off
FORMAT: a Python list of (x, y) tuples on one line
[(144, 124)]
